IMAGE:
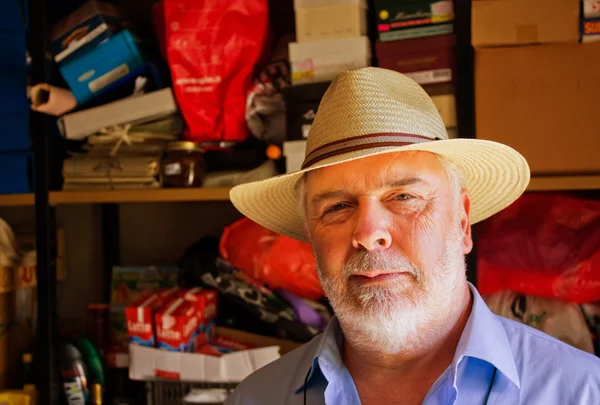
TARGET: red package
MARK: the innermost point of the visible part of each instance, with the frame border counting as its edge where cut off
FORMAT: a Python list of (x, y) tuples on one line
[(544, 244), (205, 302), (139, 315), (223, 345), (176, 326), (212, 47), (276, 260)]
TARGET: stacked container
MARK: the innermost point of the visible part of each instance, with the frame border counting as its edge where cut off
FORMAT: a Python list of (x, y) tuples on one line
[(330, 38), (415, 37), (15, 149)]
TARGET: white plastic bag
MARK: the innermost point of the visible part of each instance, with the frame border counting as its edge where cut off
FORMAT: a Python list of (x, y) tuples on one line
[(562, 320)]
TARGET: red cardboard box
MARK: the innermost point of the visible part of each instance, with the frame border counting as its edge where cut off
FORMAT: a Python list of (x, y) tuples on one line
[(176, 326), (205, 302), (140, 315), (426, 60)]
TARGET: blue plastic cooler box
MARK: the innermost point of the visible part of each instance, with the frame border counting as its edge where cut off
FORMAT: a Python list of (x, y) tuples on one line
[(89, 73), (16, 172)]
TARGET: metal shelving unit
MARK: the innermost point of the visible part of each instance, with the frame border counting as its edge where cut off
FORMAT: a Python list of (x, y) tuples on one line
[(45, 226), (45, 200)]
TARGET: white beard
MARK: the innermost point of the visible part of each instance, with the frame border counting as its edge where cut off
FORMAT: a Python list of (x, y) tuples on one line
[(402, 316)]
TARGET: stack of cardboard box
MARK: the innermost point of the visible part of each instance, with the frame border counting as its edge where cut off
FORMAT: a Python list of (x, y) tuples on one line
[(535, 84), (330, 38), (415, 37)]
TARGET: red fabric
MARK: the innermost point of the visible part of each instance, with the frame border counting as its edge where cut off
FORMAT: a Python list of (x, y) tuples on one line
[(276, 260), (544, 244), (212, 47)]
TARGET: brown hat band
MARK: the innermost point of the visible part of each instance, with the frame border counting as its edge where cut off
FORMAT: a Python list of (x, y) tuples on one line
[(362, 142)]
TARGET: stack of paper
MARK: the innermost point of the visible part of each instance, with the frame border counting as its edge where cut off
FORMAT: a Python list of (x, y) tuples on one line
[(122, 157)]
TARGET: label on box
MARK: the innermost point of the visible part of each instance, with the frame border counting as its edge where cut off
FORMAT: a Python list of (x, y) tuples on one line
[(419, 32), (108, 78), (431, 76), (303, 70), (591, 8), (590, 26), (392, 16)]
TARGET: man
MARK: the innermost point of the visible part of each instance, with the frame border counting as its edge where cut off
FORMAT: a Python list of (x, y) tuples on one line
[(387, 202)]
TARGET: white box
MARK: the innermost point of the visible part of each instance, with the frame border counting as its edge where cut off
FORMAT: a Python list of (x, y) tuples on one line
[(318, 20), (294, 152), (321, 61), (146, 363)]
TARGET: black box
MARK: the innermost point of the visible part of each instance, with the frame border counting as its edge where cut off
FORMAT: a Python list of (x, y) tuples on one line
[(301, 103)]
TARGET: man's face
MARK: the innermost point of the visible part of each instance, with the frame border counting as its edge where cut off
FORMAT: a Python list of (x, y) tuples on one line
[(389, 236)]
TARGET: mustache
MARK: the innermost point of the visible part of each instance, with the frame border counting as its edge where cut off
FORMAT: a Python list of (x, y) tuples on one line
[(364, 262)]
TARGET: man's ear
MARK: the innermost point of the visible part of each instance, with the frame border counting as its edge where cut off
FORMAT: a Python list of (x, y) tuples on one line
[(465, 222)]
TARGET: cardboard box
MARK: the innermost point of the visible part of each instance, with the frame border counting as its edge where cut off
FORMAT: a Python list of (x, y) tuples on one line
[(425, 60), (446, 105), (176, 323), (140, 319), (85, 28), (321, 61), (413, 18), (320, 20), (542, 101), (521, 22), (148, 363)]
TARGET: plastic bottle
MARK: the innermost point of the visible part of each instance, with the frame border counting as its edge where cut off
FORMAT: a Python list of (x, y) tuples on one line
[(74, 375)]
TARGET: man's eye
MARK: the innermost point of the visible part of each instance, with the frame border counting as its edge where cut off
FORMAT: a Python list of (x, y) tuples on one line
[(403, 197), (336, 207)]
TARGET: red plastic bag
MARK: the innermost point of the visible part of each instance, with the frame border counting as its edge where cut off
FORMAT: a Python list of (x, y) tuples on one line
[(544, 244), (212, 47), (276, 260)]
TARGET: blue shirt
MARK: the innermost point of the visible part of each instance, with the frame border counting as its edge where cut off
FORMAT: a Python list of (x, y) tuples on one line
[(497, 361)]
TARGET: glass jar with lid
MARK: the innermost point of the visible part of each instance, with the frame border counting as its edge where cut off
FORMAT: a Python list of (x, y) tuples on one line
[(183, 166)]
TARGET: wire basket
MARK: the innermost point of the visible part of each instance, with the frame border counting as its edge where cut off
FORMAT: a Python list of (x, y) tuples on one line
[(162, 392)]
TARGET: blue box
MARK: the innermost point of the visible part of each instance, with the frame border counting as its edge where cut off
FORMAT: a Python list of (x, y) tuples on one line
[(85, 28), (16, 172), (15, 132), (13, 96), (91, 72), (12, 49), (12, 15)]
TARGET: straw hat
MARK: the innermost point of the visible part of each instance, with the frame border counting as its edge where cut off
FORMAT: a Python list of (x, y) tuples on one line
[(371, 111)]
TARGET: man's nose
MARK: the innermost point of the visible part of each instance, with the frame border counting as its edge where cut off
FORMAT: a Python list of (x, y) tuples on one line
[(372, 230)]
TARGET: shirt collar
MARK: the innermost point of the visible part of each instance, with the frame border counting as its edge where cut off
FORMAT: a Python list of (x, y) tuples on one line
[(483, 338)]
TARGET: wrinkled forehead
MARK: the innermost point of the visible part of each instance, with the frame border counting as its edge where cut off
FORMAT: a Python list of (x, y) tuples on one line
[(378, 171)]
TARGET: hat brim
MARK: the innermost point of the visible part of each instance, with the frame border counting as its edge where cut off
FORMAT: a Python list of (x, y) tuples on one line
[(495, 176)]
